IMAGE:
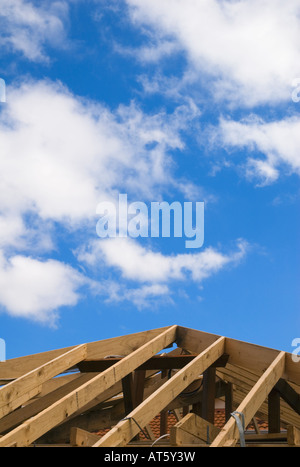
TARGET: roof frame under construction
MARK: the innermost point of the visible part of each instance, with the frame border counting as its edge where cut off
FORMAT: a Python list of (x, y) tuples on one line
[(65, 397)]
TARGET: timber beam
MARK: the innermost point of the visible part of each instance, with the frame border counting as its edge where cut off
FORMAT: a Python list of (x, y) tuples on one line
[(155, 363)]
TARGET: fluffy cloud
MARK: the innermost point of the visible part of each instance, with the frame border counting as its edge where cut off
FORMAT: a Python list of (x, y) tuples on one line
[(254, 56), (275, 144), (147, 277), (59, 157), (35, 289), (138, 263), (144, 296), (65, 155), (26, 28)]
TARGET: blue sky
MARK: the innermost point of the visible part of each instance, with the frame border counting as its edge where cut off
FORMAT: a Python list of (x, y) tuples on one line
[(164, 100)]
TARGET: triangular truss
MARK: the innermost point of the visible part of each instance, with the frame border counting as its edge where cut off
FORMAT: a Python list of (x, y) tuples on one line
[(106, 393)]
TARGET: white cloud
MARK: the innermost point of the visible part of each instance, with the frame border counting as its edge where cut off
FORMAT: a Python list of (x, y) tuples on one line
[(18, 234), (276, 145), (11, 230), (35, 289), (59, 157), (147, 277), (138, 263), (27, 28), (151, 53), (143, 297), (147, 296), (249, 48), (66, 155)]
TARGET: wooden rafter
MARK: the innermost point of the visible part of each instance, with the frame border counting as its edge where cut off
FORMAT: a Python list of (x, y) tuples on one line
[(93, 417), (32, 429), (193, 429), (274, 411), (16, 393), (123, 345), (243, 380), (125, 430), (81, 437), (250, 405), (34, 407), (65, 396), (288, 394)]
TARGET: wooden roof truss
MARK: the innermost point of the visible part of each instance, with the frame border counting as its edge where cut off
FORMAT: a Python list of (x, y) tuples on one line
[(117, 386)]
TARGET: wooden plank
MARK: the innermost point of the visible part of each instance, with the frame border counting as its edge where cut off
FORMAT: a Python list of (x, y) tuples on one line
[(197, 408), (163, 425), (288, 416), (33, 428), (288, 394), (255, 424), (243, 380), (250, 356), (89, 422), (182, 438), (97, 418), (269, 445), (253, 400), (177, 414), (14, 368), (127, 387), (149, 432), (125, 430), (239, 376), (200, 431), (155, 363), (266, 437), (139, 386), (209, 394), (55, 383), (50, 446), (79, 437), (165, 362), (16, 393), (191, 398), (292, 369), (123, 345), (293, 436), (89, 417), (92, 421), (24, 413), (274, 412), (241, 353), (228, 401), (194, 341), (244, 354)]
